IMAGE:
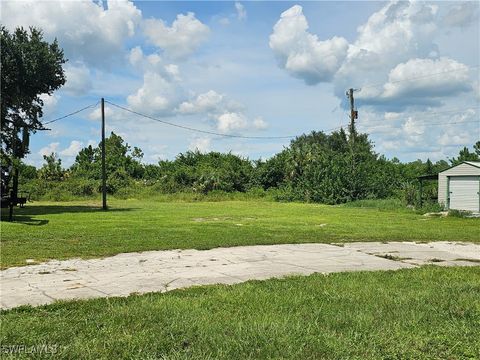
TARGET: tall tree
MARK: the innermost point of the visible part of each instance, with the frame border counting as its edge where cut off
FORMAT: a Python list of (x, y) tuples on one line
[(120, 157), (31, 67), (52, 168), (476, 147), (466, 155)]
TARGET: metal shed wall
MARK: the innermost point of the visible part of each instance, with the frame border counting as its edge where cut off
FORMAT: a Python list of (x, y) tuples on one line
[(463, 169)]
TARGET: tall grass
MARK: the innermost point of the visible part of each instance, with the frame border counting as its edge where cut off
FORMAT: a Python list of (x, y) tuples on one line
[(382, 204), (394, 204)]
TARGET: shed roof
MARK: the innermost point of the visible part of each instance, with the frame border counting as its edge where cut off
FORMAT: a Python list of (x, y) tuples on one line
[(434, 176), (473, 163)]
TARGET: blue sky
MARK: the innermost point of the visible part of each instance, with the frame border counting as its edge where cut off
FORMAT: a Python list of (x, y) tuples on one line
[(261, 69)]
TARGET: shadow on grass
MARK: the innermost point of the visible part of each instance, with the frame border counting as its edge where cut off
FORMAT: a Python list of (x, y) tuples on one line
[(24, 215), (26, 220)]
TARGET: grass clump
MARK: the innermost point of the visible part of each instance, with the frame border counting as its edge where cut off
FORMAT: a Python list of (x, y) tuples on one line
[(380, 204), (459, 213)]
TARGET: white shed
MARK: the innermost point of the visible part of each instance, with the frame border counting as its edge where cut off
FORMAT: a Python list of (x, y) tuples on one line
[(459, 186)]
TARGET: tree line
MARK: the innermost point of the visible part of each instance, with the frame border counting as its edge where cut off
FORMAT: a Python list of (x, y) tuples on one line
[(315, 167)]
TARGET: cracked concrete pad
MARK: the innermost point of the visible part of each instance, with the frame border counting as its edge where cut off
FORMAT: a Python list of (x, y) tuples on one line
[(441, 253), (159, 271)]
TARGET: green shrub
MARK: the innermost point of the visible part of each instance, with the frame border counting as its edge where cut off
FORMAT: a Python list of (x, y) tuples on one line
[(459, 213), (284, 193), (117, 180), (429, 207), (81, 187), (256, 192), (408, 193)]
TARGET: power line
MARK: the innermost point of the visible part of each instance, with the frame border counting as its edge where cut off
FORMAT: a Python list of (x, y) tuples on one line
[(367, 128), (371, 129), (429, 115), (199, 130), (176, 125), (427, 125), (418, 77), (70, 114)]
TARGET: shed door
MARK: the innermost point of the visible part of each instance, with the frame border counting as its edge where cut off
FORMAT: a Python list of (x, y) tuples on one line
[(464, 192)]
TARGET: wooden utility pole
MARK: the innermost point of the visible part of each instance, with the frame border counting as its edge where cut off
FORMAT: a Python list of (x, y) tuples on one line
[(14, 171), (353, 114), (104, 170), (352, 133)]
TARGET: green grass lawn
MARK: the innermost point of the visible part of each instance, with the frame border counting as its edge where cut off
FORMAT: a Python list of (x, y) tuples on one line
[(426, 313), (45, 231)]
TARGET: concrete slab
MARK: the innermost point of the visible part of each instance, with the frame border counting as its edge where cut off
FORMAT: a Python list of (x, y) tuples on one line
[(439, 253), (159, 271)]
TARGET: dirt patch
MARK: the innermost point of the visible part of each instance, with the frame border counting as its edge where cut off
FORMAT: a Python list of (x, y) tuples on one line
[(200, 219)]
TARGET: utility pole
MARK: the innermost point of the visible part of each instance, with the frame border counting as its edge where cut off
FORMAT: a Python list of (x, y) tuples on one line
[(14, 190), (352, 132), (104, 171), (353, 114)]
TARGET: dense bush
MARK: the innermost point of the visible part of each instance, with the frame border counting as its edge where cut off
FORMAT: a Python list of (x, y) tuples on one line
[(332, 169), (61, 190), (271, 173), (316, 167), (118, 179), (207, 172)]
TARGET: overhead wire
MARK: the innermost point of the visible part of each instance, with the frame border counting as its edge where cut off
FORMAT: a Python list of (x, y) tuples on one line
[(425, 118), (70, 114), (417, 77), (199, 130), (428, 117), (384, 128), (366, 127)]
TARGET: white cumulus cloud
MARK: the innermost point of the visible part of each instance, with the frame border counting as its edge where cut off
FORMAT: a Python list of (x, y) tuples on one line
[(259, 123), (463, 14), (49, 104), (201, 144), (231, 121), (158, 95), (453, 78), (73, 149), (185, 35), (413, 127), (205, 102), (395, 44), (78, 80), (161, 91), (241, 12), (397, 33), (97, 113), (301, 53), (50, 148), (86, 30), (153, 63), (455, 138)]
